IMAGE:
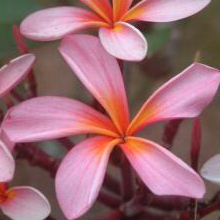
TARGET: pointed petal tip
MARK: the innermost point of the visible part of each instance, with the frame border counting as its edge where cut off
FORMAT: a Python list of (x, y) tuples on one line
[(165, 10), (185, 95), (166, 174)]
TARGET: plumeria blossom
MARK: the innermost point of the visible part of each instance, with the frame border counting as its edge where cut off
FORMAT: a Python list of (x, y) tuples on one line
[(10, 76), (21, 202), (211, 169), (80, 175), (118, 37)]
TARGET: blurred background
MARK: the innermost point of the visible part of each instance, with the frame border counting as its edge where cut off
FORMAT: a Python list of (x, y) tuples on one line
[(172, 47)]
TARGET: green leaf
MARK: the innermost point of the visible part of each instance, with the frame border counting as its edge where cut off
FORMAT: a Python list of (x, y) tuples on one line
[(12, 12), (15, 10), (157, 39)]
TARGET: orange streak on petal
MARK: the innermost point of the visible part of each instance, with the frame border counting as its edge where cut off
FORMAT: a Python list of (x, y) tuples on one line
[(120, 7), (118, 27), (133, 13), (98, 149), (11, 193), (101, 7), (143, 117)]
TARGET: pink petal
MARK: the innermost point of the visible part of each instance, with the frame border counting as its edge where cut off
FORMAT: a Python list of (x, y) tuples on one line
[(80, 175), (161, 171), (7, 163), (124, 41), (25, 203), (53, 117), (54, 23), (165, 10), (211, 169), (184, 96), (100, 73), (120, 7), (13, 73), (101, 7), (5, 139)]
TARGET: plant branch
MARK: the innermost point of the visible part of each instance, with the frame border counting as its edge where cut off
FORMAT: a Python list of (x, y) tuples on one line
[(109, 199), (37, 157), (170, 131), (23, 48), (127, 175), (112, 215)]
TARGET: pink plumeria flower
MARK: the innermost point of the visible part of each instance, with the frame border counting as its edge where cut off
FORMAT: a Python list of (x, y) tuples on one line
[(10, 76), (81, 173), (118, 37), (211, 169), (23, 203)]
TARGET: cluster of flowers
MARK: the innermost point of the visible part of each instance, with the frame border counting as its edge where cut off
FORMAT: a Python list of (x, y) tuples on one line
[(81, 173)]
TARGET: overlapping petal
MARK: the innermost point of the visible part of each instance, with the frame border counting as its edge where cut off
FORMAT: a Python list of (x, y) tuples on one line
[(81, 174), (184, 96), (7, 163), (120, 7), (211, 169), (54, 23), (14, 72), (124, 41), (100, 73), (164, 10), (161, 171), (101, 7), (53, 117), (25, 203)]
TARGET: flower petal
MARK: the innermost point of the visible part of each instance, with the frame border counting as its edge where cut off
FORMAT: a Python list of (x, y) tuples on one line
[(53, 117), (7, 163), (81, 173), (25, 203), (161, 171), (184, 96), (120, 7), (100, 73), (124, 41), (54, 23), (15, 72), (5, 139), (211, 169), (101, 7), (164, 10)]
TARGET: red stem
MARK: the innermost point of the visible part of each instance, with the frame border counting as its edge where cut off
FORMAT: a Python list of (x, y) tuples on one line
[(23, 48), (170, 131), (127, 180), (112, 184), (154, 215), (209, 208), (112, 215), (195, 144), (66, 142), (109, 199), (16, 95), (37, 157)]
